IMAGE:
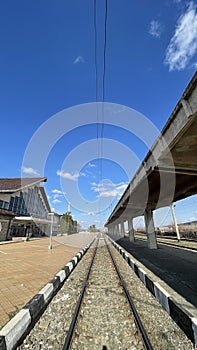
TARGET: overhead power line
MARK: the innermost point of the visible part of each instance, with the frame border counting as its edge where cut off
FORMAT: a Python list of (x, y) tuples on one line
[(104, 52), (100, 128), (96, 59), (104, 84)]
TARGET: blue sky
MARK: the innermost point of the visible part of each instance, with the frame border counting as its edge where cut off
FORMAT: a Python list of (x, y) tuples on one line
[(47, 65)]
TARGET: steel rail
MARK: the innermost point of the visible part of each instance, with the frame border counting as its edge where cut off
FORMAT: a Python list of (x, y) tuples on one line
[(128, 296), (76, 312)]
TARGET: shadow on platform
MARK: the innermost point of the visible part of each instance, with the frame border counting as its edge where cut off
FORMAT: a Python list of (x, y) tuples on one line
[(177, 267)]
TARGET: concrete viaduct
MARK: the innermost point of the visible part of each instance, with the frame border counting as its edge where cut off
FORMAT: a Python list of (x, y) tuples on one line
[(167, 174)]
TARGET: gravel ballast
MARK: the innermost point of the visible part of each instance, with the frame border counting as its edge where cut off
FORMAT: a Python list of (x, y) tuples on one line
[(50, 331)]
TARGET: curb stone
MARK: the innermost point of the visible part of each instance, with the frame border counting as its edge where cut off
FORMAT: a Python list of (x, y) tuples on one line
[(14, 332), (178, 308)]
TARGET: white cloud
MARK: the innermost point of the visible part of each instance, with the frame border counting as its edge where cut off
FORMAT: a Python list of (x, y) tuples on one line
[(30, 171), (119, 109), (57, 191), (183, 44), (155, 28), (90, 213), (79, 59), (91, 165), (56, 201), (56, 196), (109, 189), (68, 176), (87, 174), (83, 174)]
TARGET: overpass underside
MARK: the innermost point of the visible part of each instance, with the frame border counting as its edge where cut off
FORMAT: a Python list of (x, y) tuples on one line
[(168, 172)]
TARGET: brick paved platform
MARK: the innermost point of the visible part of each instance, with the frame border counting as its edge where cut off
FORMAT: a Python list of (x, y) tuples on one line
[(27, 266)]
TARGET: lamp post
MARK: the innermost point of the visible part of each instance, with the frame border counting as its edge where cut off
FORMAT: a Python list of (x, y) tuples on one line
[(51, 230)]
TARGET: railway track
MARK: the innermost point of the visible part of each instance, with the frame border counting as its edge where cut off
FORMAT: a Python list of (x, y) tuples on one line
[(183, 243), (104, 319), (88, 331)]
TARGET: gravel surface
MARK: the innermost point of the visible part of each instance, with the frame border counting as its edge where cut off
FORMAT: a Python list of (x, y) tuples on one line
[(101, 330), (163, 332), (105, 316)]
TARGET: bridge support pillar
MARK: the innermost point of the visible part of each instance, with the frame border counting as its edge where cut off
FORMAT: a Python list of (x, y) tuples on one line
[(122, 231), (116, 230), (131, 230), (110, 229), (150, 229)]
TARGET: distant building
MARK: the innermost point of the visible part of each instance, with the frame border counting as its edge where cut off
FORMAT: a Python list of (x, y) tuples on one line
[(24, 207), (56, 223)]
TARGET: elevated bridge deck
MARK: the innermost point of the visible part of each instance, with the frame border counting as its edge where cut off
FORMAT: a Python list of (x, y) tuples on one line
[(169, 171)]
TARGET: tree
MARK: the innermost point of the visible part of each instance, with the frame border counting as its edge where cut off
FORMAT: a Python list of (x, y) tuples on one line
[(68, 225), (75, 226), (92, 228)]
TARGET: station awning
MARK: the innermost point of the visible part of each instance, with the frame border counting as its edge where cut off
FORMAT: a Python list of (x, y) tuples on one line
[(30, 220)]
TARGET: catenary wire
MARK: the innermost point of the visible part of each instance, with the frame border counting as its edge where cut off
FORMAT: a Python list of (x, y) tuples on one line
[(101, 129), (104, 83)]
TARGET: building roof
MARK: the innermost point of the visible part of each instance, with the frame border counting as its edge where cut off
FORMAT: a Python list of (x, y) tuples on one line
[(16, 184), (44, 196)]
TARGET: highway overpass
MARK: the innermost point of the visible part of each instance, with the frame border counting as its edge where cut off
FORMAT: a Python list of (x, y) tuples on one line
[(167, 174)]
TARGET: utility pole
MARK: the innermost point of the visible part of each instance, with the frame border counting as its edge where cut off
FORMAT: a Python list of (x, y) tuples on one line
[(68, 212), (175, 222), (51, 230)]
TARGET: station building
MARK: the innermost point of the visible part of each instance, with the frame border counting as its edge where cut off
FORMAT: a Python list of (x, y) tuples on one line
[(24, 208)]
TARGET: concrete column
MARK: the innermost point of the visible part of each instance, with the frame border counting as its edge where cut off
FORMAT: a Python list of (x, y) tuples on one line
[(114, 229), (117, 230), (110, 229), (131, 230), (150, 229), (122, 231)]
